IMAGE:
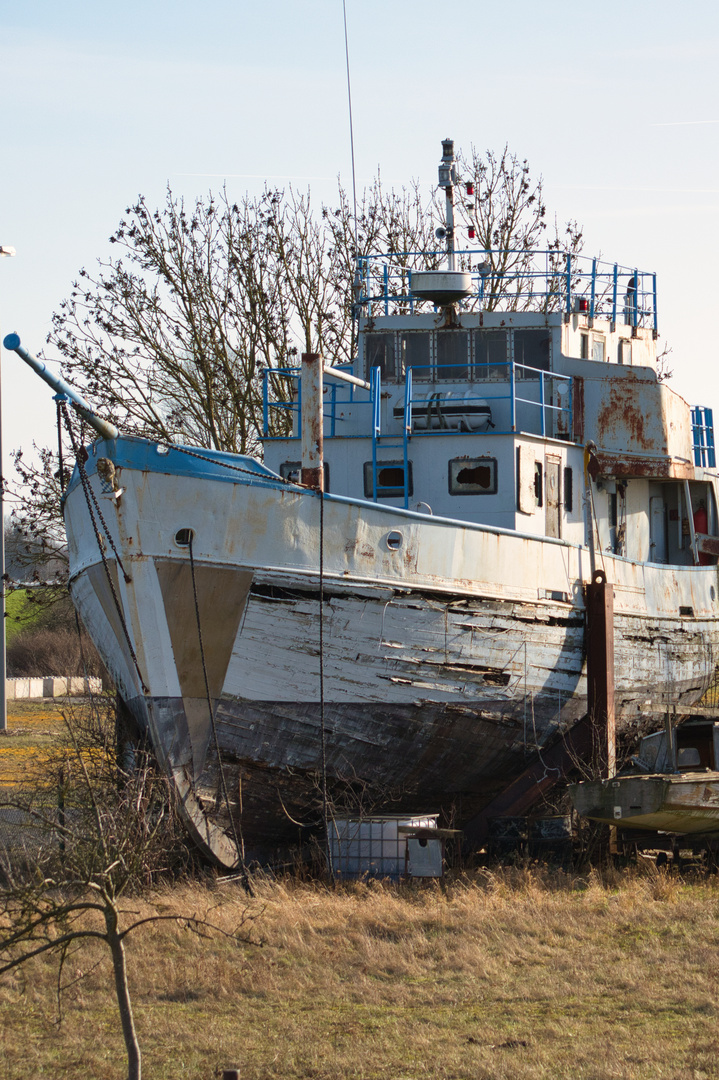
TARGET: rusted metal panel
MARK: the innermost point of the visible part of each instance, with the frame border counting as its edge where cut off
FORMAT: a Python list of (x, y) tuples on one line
[(608, 463), (629, 414), (639, 412), (600, 670), (312, 472), (708, 544)]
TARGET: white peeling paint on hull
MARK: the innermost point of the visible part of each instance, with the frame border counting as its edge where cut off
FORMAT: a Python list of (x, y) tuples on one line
[(447, 660)]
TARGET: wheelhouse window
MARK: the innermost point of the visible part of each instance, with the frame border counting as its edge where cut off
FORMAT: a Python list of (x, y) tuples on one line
[(390, 479), (414, 351), (473, 476), (531, 349), (380, 351), (452, 354), (490, 354)]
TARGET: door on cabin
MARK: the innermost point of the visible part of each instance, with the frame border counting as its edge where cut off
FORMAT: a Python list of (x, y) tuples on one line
[(657, 530), (552, 499)]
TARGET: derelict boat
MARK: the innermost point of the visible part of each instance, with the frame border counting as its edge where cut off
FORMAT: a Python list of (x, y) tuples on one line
[(419, 626), (671, 786)]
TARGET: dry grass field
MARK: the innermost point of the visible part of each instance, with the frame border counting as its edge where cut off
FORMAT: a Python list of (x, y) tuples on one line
[(516, 973)]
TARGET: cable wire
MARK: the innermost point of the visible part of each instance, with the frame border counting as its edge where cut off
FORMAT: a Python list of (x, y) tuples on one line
[(323, 729), (352, 138)]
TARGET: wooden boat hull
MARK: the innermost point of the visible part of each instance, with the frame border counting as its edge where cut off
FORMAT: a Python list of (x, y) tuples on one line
[(446, 661)]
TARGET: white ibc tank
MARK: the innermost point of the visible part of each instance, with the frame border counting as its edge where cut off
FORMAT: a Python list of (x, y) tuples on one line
[(378, 847)]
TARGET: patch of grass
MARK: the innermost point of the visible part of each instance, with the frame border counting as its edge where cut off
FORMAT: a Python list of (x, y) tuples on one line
[(32, 731), (22, 613), (516, 974)]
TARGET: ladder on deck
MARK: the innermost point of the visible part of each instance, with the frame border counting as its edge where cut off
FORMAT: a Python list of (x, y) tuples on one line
[(376, 395)]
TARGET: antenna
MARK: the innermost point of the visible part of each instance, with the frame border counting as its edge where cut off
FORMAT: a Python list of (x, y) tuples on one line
[(447, 180), (352, 138)]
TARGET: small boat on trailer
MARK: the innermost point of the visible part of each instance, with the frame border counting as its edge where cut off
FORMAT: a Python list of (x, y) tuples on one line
[(393, 602), (671, 785)]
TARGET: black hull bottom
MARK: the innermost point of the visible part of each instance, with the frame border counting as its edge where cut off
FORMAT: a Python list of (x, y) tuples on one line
[(429, 757)]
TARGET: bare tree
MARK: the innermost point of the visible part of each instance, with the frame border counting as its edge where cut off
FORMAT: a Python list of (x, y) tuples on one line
[(172, 337), (87, 843), (524, 248)]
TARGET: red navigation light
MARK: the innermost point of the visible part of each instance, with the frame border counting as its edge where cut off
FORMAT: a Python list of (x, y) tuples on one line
[(471, 233), (470, 187)]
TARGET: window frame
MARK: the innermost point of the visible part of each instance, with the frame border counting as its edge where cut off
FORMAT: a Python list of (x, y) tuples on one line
[(398, 370), (394, 493), (474, 462)]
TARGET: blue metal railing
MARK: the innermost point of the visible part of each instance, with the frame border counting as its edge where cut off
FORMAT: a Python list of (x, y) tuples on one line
[(547, 413), (548, 401), (703, 437), (335, 395), (539, 280)]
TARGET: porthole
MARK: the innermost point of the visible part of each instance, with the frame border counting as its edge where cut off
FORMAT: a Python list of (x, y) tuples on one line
[(184, 537), (394, 540), (161, 449)]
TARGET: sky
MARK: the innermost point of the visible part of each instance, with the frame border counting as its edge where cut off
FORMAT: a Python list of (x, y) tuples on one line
[(616, 105)]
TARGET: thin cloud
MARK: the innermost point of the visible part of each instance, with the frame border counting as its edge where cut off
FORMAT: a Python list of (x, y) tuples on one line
[(684, 123), (269, 176), (255, 176), (638, 190)]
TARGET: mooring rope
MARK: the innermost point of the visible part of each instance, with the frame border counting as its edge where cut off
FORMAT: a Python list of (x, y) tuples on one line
[(236, 835), (323, 729), (90, 500), (89, 493)]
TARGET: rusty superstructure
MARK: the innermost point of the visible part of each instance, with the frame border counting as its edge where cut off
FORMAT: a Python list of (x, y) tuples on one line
[(395, 601)]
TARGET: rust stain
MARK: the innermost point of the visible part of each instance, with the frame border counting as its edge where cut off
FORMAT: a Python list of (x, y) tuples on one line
[(605, 463), (709, 544), (621, 408), (630, 415), (312, 472)]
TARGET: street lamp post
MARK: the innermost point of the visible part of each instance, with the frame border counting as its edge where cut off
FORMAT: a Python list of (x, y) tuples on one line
[(4, 251)]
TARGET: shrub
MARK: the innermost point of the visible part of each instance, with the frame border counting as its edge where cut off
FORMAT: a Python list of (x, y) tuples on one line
[(46, 651)]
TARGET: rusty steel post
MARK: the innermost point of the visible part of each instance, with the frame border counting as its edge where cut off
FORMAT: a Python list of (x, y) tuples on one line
[(311, 423), (599, 597)]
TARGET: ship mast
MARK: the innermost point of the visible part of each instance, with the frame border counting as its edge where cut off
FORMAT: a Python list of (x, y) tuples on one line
[(447, 180)]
